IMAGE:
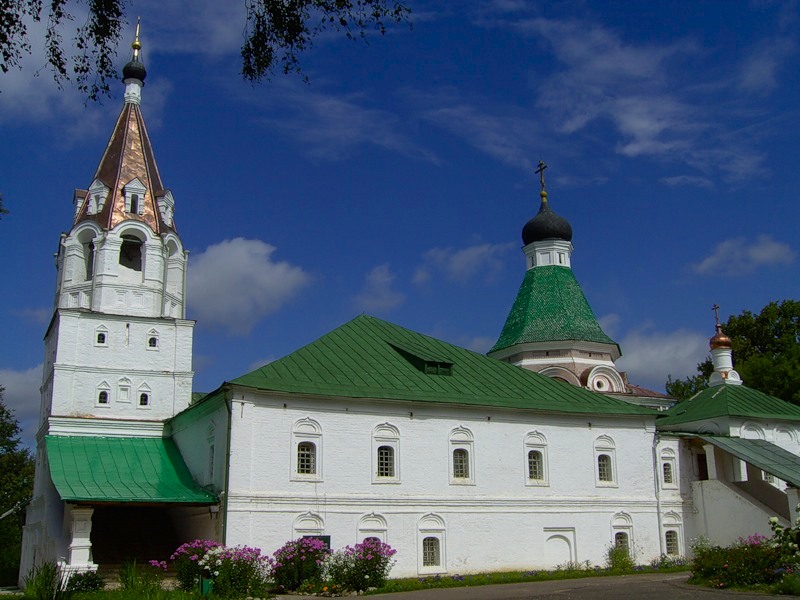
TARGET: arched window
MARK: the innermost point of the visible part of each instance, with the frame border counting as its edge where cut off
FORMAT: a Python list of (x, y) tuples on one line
[(462, 457), (385, 461), (385, 454), (535, 465), (101, 339), (671, 539), (306, 458), (621, 541), (144, 399), (667, 468), (130, 253), (460, 463), (605, 459), (431, 552), (152, 342), (604, 469), (102, 397)]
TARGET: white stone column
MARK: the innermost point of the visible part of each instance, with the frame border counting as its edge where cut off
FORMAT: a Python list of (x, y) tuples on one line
[(711, 461), (80, 544)]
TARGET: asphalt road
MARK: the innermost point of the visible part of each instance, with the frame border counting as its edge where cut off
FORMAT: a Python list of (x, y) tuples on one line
[(626, 587)]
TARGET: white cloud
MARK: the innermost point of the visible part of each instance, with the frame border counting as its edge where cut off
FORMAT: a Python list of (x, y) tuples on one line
[(758, 72), (738, 256), (257, 364), (461, 265), (40, 316), (329, 127), (377, 294), (507, 137), (687, 180), (235, 283), (22, 396), (650, 356), (610, 324)]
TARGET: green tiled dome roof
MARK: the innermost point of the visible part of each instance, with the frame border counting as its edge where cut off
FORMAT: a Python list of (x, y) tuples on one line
[(550, 306)]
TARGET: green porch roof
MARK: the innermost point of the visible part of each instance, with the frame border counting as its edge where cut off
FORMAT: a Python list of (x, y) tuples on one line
[(371, 358), (764, 455), (550, 306), (729, 401), (106, 469)]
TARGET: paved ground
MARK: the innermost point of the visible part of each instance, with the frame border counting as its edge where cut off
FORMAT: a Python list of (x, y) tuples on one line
[(626, 587)]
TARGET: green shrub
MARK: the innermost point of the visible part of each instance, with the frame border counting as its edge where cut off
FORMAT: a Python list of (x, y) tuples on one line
[(139, 578), (738, 565), (366, 565), (789, 585), (88, 581), (186, 560), (298, 561), (618, 559), (45, 582), (237, 572)]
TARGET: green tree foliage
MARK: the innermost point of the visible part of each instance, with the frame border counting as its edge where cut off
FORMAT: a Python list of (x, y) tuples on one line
[(3, 209), (16, 488), (275, 33), (766, 353)]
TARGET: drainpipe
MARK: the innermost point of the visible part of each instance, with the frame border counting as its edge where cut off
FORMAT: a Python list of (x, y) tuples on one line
[(656, 479), (229, 406)]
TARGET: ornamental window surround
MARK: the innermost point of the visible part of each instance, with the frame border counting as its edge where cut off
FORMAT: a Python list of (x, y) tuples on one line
[(103, 394), (605, 462), (306, 461), (462, 457), (432, 547), (152, 339), (144, 397), (101, 337), (536, 472), (385, 454), (669, 476)]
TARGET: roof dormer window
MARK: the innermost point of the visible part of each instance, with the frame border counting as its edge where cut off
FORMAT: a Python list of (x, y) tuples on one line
[(134, 192), (96, 198)]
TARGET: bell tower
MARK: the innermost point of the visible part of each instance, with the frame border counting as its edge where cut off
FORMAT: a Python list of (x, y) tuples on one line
[(119, 346)]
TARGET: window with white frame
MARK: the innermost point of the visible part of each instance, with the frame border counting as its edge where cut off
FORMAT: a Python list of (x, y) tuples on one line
[(621, 541), (431, 552), (432, 547), (101, 336), (124, 390), (306, 459), (385, 454), (605, 461), (671, 542), (103, 394), (462, 458), (134, 192), (152, 339), (372, 526), (535, 459), (669, 476), (144, 396), (622, 532)]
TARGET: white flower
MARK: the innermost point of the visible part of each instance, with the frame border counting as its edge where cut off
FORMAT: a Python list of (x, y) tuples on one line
[(773, 520)]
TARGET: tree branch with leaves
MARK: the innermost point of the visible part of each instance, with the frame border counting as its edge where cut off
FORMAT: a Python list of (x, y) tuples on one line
[(276, 32)]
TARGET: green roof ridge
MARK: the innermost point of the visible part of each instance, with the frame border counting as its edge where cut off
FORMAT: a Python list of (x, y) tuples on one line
[(550, 306), (729, 401), (360, 360)]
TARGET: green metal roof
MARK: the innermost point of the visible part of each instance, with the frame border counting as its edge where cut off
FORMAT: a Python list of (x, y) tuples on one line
[(729, 401), (105, 469), (764, 455), (371, 358), (550, 306)]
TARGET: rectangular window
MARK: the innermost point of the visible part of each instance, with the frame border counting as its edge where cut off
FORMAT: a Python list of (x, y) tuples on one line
[(306, 458), (671, 537), (604, 468), (535, 466), (460, 464), (430, 552), (385, 461)]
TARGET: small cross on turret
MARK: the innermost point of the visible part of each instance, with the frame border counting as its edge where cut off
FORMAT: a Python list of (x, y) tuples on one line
[(540, 172)]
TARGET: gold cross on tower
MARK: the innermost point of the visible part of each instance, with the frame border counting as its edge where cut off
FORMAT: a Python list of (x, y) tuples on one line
[(540, 171)]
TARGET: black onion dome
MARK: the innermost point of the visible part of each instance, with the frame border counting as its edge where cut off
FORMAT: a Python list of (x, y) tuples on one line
[(546, 225), (134, 70)]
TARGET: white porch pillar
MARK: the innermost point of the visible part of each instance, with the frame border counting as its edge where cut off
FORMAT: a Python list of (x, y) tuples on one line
[(711, 461), (79, 519)]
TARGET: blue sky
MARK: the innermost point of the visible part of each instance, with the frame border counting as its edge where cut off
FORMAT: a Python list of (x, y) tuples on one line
[(397, 182)]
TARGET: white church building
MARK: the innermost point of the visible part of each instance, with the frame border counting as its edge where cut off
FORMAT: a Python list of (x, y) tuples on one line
[(536, 455)]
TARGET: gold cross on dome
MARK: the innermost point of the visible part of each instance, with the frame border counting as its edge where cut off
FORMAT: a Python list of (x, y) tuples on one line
[(540, 172), (715, 308)]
